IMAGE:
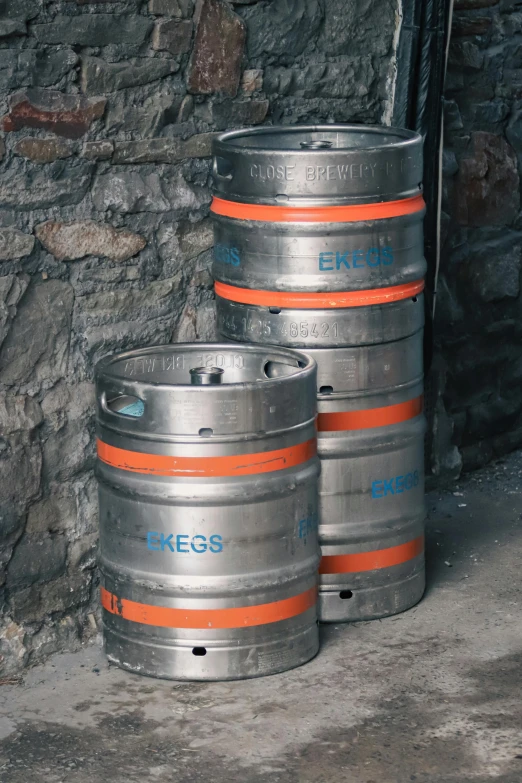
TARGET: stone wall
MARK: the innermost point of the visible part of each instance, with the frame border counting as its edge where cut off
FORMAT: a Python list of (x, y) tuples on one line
[(108, 110), (478, 324)]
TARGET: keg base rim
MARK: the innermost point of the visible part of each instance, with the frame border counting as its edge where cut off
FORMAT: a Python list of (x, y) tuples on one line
[(308, 638), (333, 609)]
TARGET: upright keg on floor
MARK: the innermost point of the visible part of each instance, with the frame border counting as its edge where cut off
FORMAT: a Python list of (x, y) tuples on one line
[(207, 472), (319, 245)]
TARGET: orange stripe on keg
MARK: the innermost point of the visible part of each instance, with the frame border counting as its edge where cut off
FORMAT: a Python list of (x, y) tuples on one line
[(371, 561), (201, 467), (236, 617), (309, 301), (373, 417), (350, 213)]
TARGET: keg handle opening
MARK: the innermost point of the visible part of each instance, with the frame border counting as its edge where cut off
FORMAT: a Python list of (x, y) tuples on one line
[(278, 369), (318, 144), (206, 376), (222, 168), (124, 405)]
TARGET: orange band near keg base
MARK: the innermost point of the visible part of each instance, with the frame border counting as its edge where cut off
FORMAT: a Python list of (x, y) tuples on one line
[(203, 467), (352, 213), (314, 301), (372, 417), (372, 561), (205, 619)]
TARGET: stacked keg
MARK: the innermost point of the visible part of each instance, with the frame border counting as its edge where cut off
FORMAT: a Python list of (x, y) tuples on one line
[(207, 470), (319, 246)]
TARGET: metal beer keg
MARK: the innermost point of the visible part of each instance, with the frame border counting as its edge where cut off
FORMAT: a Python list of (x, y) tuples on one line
[(207, 472), (318, 209), (318, 234), (371, 444), (319, 246)]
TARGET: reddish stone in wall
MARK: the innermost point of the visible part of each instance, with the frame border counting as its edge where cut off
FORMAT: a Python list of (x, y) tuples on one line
[(215, 65), (66, 115), (488, 186)]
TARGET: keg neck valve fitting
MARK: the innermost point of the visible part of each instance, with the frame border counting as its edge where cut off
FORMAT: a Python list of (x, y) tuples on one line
[(206, 376)]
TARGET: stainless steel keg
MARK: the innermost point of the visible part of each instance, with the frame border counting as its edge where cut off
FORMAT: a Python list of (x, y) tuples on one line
[(370, 439), (319, 245), (207, 472), (318, 234), (318, 209)]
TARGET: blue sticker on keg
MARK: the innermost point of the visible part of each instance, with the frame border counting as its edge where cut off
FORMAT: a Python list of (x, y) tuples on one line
[(355, 259), (134, 409), (227, 255), (396, 485), (184, 543), (307, 525)]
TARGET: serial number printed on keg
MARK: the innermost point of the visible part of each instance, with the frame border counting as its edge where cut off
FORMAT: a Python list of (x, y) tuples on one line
[(259, 327), (225, 360), (308, 329), (150, 364), (396, 485), (246, 325), (184, 543)]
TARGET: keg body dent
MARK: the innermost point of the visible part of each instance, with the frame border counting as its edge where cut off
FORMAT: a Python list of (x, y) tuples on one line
[(319, 246), (208, 511)]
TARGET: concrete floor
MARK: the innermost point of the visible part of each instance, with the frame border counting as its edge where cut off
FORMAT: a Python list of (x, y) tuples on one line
[(430, 695)]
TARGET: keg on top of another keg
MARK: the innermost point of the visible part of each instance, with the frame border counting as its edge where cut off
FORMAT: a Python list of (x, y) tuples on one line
[(319, 246), (207, 471)]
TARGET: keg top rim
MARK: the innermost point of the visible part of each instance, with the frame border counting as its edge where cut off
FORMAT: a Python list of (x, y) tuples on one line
[(107, 366), (402, 138)]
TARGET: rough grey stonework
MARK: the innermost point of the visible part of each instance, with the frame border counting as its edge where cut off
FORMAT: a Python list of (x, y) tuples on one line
[(478, 323), (107, 113)]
